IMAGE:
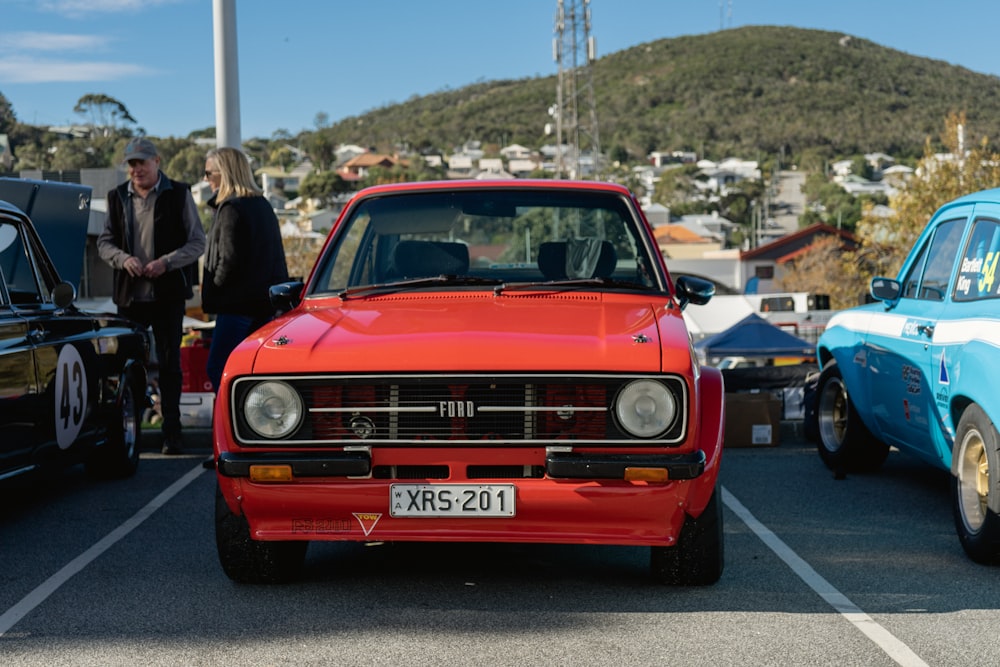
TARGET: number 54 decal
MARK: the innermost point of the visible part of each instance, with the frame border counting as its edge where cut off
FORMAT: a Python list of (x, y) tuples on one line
[(71, 395)]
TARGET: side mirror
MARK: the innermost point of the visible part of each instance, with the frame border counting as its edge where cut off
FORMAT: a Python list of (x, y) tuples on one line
[(285, 296), (63, 294), (886, 290), (693, 290)]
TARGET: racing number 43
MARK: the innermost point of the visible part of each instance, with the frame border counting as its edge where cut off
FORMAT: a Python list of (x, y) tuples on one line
[(71, 395)]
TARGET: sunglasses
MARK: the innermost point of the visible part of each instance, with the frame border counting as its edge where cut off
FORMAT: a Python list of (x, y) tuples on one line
[(208, 174)]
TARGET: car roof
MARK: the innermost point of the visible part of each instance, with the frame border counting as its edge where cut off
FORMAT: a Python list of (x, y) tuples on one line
[(991, 195), (499, 184)]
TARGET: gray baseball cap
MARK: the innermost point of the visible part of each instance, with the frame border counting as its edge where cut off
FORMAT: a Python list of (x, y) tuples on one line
[(139, 149)]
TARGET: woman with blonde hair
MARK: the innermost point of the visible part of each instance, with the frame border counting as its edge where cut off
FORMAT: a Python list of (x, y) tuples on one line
[(244, 256)]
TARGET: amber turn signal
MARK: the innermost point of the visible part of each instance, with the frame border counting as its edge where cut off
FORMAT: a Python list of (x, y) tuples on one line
[(264, 473), (646, 475)]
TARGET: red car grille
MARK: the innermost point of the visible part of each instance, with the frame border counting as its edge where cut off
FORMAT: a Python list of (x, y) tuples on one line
[(425, 410)]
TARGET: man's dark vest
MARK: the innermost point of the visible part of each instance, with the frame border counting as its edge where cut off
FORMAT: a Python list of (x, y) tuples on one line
[(169, 234)]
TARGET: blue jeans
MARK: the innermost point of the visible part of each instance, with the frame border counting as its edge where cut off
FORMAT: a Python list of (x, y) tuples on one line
[(230, 330)]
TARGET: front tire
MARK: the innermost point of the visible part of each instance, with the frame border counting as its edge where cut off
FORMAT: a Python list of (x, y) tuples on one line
[(118, 457), (974, 486), (844, 442), (697, 559), (249, 561)]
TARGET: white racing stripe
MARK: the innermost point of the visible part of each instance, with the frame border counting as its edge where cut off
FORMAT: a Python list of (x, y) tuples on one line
[(885, 640), (52, 584)]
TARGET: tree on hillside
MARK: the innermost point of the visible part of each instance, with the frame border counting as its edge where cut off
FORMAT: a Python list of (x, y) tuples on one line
[(820, 271), (885, 242), (107, 115), (321, 148), (323, 185), (7, 118), (187, 164)]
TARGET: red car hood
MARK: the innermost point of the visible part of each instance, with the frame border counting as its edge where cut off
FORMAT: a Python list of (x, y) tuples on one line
[(463, 332)]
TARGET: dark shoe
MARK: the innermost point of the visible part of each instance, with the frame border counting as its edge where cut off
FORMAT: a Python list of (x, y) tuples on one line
[(172, 445)]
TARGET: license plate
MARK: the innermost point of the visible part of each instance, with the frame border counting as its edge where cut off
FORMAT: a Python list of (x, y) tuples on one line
[(476, 500)]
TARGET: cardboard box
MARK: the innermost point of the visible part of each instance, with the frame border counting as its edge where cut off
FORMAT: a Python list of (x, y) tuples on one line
[(196, 409), (753, 419)]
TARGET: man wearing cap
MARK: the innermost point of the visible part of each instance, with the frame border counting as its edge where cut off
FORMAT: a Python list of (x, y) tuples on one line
[(152, 239)]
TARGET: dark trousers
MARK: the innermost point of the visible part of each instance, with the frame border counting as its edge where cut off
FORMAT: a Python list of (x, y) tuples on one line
[(166, 319), (229, 331)]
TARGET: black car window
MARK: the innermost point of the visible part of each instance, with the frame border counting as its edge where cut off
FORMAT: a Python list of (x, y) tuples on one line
[(929, 276), (16, 267), (977, 274)]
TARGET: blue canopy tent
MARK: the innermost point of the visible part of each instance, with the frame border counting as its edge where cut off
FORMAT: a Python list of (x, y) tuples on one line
[(753, 336)]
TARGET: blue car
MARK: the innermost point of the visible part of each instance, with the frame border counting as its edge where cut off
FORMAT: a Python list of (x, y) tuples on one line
[(917, 369)]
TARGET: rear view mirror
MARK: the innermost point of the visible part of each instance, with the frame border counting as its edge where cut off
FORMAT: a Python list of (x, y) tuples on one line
[(694, 290), (886, 290)]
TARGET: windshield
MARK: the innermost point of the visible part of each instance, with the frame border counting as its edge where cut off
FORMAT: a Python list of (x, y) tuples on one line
[(480, 237)]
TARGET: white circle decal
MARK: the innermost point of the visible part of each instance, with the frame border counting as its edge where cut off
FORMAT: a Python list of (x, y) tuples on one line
[(71, 395)]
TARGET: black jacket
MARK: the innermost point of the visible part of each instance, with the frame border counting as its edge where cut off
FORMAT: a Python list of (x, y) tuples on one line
[(243, 259), (169, 235)]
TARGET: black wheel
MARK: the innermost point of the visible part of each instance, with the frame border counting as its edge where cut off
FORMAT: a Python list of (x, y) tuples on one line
[(844, 442), (250, 561), (119, 455), (975, 495), (697, 558)]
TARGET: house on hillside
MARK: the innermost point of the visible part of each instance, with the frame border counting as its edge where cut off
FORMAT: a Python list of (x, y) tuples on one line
[(711, 225), (678, 242), (515, 152), (523, 167), (358, 166), (763, 265), (460, 166)]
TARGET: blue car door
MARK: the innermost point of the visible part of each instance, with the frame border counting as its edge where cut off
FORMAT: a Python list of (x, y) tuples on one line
[(904, 374), (970, 321)]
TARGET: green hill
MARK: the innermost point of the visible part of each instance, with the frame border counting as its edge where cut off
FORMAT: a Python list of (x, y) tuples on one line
[(744, 91)]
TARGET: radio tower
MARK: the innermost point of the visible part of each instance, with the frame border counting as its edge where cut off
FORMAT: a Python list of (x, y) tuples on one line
[(575, 112)]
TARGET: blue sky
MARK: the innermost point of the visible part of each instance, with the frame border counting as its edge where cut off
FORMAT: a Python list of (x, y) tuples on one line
[(298, 58)]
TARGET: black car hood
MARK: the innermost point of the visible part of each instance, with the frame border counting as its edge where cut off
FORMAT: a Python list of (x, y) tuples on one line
[(60, 213)]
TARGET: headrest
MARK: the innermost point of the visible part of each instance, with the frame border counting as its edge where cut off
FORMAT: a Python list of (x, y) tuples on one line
[(421, 259), (577, 258)]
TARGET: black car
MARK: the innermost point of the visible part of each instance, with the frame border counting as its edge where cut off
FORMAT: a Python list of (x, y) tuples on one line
[(72, 382)]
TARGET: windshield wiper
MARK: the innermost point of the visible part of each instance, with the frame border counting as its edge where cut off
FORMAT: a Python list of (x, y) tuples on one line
[(416, 282), (570, 283)]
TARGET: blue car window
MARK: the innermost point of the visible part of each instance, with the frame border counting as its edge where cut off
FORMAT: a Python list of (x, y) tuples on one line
[(929, 276), (977, 274)]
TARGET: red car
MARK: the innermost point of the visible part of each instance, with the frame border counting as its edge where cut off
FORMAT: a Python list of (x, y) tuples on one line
[(482, 361)]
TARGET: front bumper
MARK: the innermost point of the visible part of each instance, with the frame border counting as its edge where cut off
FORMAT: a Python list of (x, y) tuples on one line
[(559, 465)]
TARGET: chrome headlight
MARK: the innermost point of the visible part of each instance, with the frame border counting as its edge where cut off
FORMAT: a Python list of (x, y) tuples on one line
[(273, 409), (645, 408)]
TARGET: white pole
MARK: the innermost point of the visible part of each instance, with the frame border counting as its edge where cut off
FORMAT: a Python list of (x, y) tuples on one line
[(227, 77)]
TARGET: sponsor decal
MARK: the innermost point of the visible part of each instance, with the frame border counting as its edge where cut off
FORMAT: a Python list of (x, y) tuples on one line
[(942, 398), (318, 526), (943, 372), (906, 409), (911, 378), (367, 521)]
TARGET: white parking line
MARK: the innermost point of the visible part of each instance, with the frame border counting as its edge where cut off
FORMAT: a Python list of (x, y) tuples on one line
[(885, 640), (52, 584)]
